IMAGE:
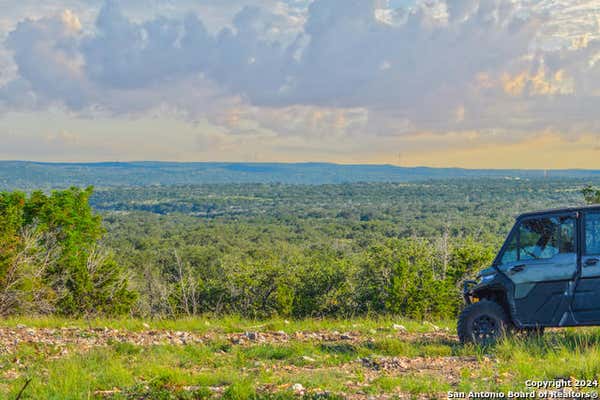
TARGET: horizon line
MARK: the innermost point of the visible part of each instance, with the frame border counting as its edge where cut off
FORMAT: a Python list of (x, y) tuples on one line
[(290, 163)]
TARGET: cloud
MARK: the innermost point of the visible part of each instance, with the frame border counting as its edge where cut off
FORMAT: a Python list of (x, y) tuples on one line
[(48, 59), (337, 67), (126, 55)]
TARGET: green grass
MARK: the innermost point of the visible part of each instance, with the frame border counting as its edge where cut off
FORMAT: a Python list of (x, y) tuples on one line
[(413, 384), (218, 368), (230, 324)]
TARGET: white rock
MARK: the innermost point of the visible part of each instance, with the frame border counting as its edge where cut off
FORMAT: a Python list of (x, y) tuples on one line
[(298, 388), (399, 327)]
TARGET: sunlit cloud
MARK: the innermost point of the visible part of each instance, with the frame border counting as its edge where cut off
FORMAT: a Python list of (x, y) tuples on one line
[(442, 83)]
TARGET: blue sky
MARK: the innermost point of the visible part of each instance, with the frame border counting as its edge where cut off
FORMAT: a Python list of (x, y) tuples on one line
[(472, 83)]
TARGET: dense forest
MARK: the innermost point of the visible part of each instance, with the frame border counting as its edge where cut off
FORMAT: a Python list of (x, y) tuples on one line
[(260, 250)]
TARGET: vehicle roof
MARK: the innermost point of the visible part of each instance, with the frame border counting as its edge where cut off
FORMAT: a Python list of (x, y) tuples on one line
[(595, 207)]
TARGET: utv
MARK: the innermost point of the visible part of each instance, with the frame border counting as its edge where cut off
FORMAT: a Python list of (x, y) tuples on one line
[(547, 274)]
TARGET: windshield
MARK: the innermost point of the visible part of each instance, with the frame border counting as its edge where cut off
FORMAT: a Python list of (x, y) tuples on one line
[(539, 238)]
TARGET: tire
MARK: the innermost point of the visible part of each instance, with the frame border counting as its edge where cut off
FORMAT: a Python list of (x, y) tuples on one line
[(483, 323)]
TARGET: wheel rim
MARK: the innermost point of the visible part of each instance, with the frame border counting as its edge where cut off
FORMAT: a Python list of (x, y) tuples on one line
[(485, 329)]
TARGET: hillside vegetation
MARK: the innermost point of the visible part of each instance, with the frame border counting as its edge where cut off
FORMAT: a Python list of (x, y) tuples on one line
[(259, 250)]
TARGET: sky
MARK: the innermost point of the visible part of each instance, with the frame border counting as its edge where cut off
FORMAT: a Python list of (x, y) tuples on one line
[(454, 83)]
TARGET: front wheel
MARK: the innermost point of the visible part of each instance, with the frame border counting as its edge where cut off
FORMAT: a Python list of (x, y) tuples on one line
[(482, 323)]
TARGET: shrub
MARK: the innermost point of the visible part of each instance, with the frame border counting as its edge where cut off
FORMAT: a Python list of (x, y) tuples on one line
[(51, 259)]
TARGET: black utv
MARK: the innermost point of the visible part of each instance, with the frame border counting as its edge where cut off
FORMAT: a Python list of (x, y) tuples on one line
[(547, 274)]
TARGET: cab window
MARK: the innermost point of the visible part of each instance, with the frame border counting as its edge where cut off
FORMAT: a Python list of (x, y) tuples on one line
[(511, 252), (592, 234), (541, 238)]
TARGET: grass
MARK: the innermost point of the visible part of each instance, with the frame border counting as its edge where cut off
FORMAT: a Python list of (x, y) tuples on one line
[(229, 324), (429, 365)]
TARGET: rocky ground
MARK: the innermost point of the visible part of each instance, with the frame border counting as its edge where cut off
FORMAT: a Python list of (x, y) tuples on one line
[(66, 340), (10, 338)]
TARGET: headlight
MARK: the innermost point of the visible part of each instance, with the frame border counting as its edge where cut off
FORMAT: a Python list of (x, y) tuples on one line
[(486, 278)]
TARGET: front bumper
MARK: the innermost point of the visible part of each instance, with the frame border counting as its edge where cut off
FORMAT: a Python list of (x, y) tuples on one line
[(468, 291)]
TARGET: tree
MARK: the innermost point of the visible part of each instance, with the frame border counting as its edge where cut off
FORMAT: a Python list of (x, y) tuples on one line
[(56, 240), (23, 287), (591, 195)]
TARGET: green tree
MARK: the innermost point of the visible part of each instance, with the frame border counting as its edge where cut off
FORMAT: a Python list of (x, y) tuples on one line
[(83, 277), (591, 195)]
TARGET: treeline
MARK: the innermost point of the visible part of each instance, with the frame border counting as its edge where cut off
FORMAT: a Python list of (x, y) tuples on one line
[(412, 277), (53, 259), (292, 251)]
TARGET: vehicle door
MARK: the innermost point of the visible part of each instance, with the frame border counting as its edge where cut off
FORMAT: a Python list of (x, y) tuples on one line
[(586, 301), (541, 260)]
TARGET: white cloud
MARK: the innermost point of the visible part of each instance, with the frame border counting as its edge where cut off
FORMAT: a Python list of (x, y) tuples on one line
[(323, 67)]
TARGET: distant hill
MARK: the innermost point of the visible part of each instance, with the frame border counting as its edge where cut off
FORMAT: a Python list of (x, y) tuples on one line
[(27, 175)]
